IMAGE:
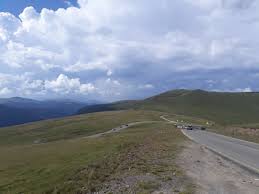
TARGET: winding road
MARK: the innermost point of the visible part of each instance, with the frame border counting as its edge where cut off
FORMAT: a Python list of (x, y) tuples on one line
[(241, 152)]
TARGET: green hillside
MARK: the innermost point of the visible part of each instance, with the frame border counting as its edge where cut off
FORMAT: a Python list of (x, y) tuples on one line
[(54, 156), (70, 127), (67, 162), (222, 108)]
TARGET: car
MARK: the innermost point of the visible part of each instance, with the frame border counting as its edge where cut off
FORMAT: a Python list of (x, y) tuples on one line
[(203, 128), (189, 127)]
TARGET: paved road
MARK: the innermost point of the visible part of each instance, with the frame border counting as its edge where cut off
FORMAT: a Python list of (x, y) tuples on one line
[(242, 152)]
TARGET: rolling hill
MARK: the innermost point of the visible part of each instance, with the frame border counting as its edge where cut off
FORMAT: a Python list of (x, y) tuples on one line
[(55, 156), (224, 108), (221, 107)]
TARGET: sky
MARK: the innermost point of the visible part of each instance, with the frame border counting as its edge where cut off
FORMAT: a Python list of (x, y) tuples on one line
[(17, 6), (112, 50)]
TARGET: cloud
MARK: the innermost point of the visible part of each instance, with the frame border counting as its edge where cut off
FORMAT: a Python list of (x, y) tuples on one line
[(105, 47), (146, 86), (238, 4), (64, 84), (5, 91), (68, 3), (26, 85), (243, 90)]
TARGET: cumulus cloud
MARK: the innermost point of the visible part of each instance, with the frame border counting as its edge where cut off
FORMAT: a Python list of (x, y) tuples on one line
[(5, 91), (64, 84), (243, 90), (26, 85), (146, 86), (105, 47)]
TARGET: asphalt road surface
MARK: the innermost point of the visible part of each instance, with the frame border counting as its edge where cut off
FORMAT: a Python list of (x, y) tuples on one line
[(242, 152)]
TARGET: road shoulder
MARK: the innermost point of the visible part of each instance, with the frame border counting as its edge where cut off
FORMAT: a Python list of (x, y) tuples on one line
[(214, 174)]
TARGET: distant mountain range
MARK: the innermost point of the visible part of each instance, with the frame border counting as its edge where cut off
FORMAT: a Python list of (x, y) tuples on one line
[(18, 110), (221, 107)]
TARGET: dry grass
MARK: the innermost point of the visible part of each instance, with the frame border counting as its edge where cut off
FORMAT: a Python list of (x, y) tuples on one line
[(70, 127), (86, 165)]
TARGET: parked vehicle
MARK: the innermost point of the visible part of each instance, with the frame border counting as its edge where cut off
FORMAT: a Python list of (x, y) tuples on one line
[(189, 127)]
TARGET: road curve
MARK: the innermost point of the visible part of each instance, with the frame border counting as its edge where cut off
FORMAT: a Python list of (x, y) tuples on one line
[(120, 128), (242, 152)]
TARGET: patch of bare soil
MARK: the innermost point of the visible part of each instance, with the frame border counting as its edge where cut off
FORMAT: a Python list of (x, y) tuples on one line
[(143, 162), (139, 173), (215, 175)]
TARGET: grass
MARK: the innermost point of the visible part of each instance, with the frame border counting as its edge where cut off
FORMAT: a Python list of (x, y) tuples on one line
[(250, 133), (51, 157), (146, 149), (79, 165), (148, 186), (189, 120), (222, 108), (232, 114), (70, 127)]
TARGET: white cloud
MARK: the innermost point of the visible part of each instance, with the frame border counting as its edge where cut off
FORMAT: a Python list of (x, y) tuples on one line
[(243, 90), (146, 86), (68, 3), (5, 91), (24, 85), (65, 85), (109, 73), (132, 42), (76, 39)]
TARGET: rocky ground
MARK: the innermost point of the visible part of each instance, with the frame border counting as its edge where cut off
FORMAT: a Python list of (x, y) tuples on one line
[(215, 175)]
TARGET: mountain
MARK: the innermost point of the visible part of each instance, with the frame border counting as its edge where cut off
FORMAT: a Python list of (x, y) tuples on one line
[(18, 110), (19, 102), (222, 107)]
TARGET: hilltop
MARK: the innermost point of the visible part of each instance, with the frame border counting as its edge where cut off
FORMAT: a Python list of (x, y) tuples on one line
[(221, 107)]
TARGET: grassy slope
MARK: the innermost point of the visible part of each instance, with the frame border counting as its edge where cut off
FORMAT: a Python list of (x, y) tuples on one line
[(71, 127), (84, 165), (234, 114), (223, 108), (227, 111), (69, 163)]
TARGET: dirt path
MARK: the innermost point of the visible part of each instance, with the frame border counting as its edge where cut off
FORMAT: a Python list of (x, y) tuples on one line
[(120, 128), (215, 175)]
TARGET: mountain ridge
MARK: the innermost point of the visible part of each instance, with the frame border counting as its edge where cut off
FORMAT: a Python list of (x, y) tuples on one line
[(222, 107), (17, 110)]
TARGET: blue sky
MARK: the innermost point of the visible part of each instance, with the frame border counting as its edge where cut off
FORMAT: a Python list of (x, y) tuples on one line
[(112, 50), (17, 6)]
